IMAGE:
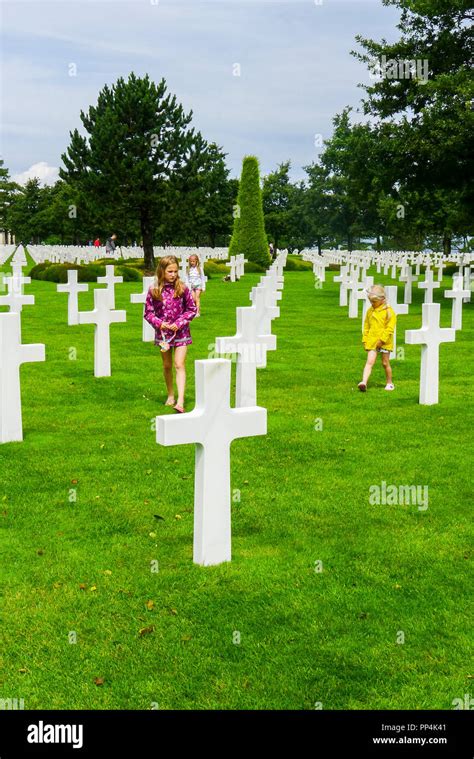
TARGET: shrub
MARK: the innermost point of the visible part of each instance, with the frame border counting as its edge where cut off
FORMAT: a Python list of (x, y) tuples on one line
[(248, 236), (251, 268), (294, 263), (128, 273)]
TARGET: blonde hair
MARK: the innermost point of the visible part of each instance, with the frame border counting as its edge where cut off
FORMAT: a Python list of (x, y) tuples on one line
[(377, 292), (198, 265), (159, 283)]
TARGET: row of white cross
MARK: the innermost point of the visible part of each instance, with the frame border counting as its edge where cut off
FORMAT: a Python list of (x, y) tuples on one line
[(214, 424), (430, 335)]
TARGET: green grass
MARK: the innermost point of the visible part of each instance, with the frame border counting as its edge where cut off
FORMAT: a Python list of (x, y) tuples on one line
[(305, 636)]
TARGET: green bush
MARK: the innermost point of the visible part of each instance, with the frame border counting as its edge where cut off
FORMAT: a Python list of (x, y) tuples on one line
[(251, 268), (248, 236), (51, 272), (38, 269), (58, 272), (211, 267), (128, 273), (295, 263)]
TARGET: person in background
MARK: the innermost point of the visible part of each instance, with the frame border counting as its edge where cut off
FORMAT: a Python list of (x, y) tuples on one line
[(169, 308), (110, 245), (195, 280), (379, 327), (271, 250), (97, 242)]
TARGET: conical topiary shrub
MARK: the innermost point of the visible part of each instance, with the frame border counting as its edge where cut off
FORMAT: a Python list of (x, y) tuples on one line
[(248, 236)]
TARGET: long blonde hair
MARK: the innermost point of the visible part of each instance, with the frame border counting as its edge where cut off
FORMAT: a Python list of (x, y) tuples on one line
[(159, 283), (198, 265)]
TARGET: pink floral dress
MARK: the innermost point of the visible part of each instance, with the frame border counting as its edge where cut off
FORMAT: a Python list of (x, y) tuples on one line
[(179, 311)]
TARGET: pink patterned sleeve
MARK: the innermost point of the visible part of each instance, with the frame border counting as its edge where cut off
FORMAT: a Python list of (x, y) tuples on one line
[(189, 311), (149, 314)]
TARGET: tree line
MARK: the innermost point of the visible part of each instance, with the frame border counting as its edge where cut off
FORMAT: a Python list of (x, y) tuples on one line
[(398, 172)]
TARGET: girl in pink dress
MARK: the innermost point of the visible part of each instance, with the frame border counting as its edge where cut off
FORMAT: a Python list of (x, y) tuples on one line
[(169, 308)]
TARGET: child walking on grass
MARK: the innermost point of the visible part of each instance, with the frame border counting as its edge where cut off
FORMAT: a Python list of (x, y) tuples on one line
[(195, 280), (169, 308), (379, 327)]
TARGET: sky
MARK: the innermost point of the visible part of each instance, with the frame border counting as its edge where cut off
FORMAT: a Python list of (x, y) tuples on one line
[(262, 77)]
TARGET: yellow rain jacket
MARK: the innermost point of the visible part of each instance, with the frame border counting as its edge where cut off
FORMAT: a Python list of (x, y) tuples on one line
[(379, 325)]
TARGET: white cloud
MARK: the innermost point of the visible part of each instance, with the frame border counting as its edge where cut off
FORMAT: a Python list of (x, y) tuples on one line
[(47, 175)]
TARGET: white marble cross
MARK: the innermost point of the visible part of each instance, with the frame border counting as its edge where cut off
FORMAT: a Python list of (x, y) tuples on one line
[(401, 309), (241, 261), (15, 299), (354, 287), (73, 288), (408, 277), (265, 313), (12, 355), (343, 278), (18, 279), (212, 426), (362, 295), (234, 269), (148, 332), (458, 294), (250, 347), (102, 316), (429, 336), (428, 285), (110, 280)]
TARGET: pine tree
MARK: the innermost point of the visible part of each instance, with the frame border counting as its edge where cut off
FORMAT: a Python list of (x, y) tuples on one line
[(138, 143), (249, 236)]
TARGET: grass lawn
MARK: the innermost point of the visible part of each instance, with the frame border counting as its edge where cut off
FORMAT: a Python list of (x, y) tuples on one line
[(81, 570)]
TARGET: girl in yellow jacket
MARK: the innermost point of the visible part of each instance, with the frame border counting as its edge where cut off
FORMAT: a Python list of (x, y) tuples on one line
[(379, 327)]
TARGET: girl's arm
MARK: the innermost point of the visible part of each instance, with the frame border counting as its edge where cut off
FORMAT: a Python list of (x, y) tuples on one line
[(389, 327), (149, 314), (189, 309), (366, 327)]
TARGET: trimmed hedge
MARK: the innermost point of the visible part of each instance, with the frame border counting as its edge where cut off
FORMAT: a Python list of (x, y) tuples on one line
[(51, 272), (295, 263), (248, 235)]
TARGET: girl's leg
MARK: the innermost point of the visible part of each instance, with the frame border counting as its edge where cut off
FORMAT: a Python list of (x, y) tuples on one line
[(168, 374), (371, 359), (387, 367), (179, 363), (197, 300)]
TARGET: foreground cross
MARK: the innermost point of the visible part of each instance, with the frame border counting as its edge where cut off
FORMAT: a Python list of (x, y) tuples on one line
[(458, 294), (73, 288), (148, 332), (110, 280), (212, 426), (250, 347), (12, 355), (430, 336), (102, 317)]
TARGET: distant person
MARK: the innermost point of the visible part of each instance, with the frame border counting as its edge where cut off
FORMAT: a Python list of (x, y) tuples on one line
[(272, 250), (195, 280), (379, 326), (110, 245), (169, 308), (97, 242)]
